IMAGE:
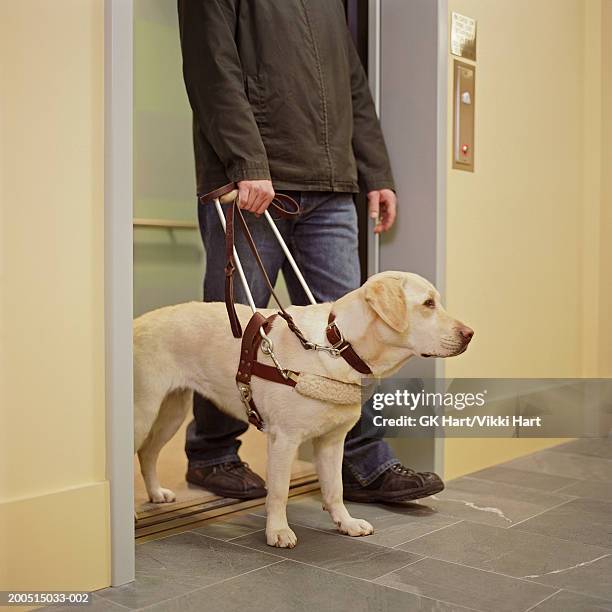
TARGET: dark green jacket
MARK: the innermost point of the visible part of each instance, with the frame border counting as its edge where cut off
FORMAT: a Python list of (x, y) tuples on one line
[(278, 91)]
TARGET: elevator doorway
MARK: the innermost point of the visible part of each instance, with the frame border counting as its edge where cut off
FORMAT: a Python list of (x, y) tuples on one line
[(168, 254), (411, 99)]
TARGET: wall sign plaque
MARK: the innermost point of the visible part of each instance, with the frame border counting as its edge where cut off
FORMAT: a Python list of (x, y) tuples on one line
[(463, 36)]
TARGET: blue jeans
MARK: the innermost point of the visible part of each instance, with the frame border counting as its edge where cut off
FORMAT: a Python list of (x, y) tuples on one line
[(323, 241)]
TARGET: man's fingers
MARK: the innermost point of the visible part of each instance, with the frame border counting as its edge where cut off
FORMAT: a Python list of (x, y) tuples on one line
[(387, 207), (248, 198), (255, 196), (263, 202), (265, 196), (243, 197), (389, 215), (374, 204), (258, 201), (255, 200)]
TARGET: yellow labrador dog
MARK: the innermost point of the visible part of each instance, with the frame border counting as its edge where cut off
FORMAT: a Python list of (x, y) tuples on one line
[(179, 349)]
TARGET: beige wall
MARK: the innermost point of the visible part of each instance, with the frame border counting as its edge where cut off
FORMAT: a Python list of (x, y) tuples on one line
[(53, 495), (592, 165), (522, 231), (605, 241)]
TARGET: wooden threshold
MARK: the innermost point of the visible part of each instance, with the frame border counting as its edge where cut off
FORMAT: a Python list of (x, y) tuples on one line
[(190, 516)]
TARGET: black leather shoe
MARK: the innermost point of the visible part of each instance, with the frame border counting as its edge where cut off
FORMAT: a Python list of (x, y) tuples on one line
[(233, 479), (396, 484)]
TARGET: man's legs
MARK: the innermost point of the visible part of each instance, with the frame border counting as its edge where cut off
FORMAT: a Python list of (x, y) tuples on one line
[(212, 437), (325, 245)]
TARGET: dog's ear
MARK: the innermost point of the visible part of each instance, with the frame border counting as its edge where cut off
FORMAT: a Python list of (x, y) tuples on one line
[(387, 297)]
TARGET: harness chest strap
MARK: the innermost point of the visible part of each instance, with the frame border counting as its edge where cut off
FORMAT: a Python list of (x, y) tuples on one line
[(249, 366)]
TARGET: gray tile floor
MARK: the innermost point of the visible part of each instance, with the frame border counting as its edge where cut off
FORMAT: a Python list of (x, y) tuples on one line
[(532, 534)]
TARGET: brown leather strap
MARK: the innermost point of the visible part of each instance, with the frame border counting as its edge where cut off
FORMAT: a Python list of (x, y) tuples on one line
[(232, 211), (271, 373), (230, 268), (217, 193), (260, 264), (250, 345), (249, 366), (282, 205), (248, 354), (347, 352), (254, 416)]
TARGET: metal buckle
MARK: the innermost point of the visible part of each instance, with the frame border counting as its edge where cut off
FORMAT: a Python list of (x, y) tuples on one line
[(267, 348), (333, 324), (336, 349), (245, 394), (266, 345), (290, 374)]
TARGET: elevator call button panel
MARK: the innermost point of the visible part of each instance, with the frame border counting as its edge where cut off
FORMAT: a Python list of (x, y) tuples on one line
[(464, 94)]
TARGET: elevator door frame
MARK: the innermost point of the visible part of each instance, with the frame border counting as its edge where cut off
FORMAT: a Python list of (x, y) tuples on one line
[(413, 77), (118, 219)]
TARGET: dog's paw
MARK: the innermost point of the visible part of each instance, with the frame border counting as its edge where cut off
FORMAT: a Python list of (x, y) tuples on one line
[(281, 538), (162, 496), (355, 527)]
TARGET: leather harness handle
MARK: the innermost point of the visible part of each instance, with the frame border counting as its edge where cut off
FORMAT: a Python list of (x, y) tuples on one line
[(260, 264), (286, 207), (207, 198), (283, 205)]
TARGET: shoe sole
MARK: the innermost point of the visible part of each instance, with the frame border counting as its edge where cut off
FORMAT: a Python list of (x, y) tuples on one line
[(396, 496), (230, 494)]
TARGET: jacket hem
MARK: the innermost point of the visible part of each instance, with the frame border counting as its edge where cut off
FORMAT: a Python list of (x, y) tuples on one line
[(248, 172), (287, 185), (314, 185), (376, 182)]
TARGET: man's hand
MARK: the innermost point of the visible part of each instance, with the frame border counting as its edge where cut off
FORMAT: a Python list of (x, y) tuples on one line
[(255, 196), (382, 205)]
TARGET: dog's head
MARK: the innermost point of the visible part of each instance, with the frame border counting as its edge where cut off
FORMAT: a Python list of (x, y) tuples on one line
[(411, 309)]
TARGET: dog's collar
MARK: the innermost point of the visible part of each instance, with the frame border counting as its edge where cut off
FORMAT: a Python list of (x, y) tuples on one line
[(344, 348)]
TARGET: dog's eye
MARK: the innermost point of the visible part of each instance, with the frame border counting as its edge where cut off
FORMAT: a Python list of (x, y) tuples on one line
[(429, 303)]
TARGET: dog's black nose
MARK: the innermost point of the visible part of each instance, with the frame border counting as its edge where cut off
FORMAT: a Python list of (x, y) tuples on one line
[(466, 333)]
